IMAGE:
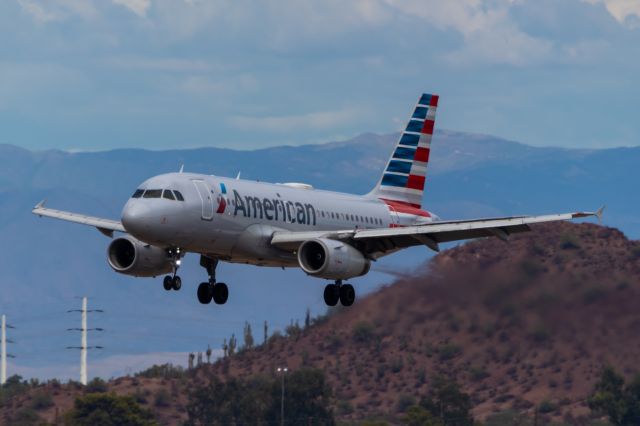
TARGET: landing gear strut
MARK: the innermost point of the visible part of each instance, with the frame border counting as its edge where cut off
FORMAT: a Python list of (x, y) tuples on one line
[(344, 293), (173, 282), (212, 290)]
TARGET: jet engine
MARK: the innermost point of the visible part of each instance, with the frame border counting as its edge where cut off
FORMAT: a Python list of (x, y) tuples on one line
[(132, 257), (331, 259)]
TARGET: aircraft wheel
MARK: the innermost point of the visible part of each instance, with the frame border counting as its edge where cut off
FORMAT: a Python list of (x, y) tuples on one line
[(205, 294), (177, 283), (167, 282), (347, 295), (331, 294), (220, 293)]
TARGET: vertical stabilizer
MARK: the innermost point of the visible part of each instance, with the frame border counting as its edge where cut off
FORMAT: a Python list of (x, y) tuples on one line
[(404, 176)]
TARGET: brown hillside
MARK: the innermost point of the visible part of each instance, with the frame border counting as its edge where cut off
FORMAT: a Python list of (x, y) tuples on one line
[(515, 323)]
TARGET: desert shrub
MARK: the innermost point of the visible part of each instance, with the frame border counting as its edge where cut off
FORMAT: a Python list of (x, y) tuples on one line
[(569, 241), (615, 399), (531, 268), (547, 406), (333, 341), (96, 385), (293, 330), (41, 400), (363, 332), (477, 373), (404, 402), (540, 333), (164, 371), (344, 407), (162, 398), (448, 403), (593, 294), (396, 365), (448, 351), (26, 416), (635, 252)]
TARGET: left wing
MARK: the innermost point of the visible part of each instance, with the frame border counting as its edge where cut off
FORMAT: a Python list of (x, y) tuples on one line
[(376, 243), (106, 226)]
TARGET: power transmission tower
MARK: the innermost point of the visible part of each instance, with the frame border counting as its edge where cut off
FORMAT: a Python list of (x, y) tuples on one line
[(83, 340), (4, 355)]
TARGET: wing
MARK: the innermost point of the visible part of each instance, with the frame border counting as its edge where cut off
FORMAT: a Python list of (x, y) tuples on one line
[(376, 243), (106, 226)]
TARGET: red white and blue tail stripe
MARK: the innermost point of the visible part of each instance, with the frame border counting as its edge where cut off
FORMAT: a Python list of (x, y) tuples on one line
[(404, 177)]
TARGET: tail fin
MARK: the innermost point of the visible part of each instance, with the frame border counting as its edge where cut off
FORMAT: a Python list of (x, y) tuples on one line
[(403, 178)]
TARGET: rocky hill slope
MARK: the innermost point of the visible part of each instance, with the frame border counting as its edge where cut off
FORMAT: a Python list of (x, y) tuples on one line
[(517, 324)]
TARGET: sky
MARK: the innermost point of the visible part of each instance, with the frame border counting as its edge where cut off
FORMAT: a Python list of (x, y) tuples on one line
[(162, 74)]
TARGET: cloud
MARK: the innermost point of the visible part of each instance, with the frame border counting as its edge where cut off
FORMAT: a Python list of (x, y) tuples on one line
[(625, 11), (139, 7), (314, 120), (37, 11)]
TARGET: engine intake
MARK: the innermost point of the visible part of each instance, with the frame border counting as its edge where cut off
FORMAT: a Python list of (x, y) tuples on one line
[(331, 259), (129, 256)]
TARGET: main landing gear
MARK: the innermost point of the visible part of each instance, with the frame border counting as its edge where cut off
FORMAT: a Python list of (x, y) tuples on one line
[(212, 290), (173, 282), (344, 293)]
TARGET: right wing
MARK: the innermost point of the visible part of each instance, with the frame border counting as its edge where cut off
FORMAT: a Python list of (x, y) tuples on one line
[(106, 226), (375, 243)]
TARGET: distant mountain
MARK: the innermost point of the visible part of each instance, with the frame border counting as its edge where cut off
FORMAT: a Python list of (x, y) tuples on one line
[(46, 263), (520, 325)]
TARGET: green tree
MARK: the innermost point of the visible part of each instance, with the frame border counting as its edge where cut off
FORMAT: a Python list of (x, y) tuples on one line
[(419, 416), (447, 403), (106, 409), (612, 398)]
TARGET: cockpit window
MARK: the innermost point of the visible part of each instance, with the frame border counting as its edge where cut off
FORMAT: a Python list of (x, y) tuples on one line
[(138, 193), (179, 196), (168, 195), (152, 193)]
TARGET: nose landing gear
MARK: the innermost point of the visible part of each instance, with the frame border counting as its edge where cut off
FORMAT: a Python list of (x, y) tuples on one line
[(173, 282), (212, 290), (345, 293)]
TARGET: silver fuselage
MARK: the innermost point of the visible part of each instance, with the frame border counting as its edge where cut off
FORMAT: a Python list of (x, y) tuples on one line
[(234, 220)]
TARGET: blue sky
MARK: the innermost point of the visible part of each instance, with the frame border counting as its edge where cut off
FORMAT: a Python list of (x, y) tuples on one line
[(159, 74)]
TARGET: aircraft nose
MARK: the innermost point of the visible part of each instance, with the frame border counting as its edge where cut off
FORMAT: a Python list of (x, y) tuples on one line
[(135, 217)]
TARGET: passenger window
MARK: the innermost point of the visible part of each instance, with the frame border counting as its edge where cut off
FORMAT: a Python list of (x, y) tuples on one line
[(179, 196), (168, 195), (138, 193), (152, 193)]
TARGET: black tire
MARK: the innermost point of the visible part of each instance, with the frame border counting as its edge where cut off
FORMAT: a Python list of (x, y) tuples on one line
[(220, 293), (167, 283), (331, 295), (347, 294), (177, 283), (205, 293)]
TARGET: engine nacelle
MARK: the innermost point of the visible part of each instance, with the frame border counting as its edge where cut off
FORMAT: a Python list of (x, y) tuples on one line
[(331, 259), (129, 256)]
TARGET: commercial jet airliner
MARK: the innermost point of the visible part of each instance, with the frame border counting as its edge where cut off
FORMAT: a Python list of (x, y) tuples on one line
[(329, 235)]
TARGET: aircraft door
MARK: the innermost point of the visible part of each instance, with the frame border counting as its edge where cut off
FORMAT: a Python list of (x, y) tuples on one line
[(206, 196), (395, 220)]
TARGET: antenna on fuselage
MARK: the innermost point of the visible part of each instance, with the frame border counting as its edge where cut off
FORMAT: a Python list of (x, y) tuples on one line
[(238, 177), (181, 168)]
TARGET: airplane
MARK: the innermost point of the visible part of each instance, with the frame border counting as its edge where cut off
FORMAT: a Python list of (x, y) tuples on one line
[(329, 235)]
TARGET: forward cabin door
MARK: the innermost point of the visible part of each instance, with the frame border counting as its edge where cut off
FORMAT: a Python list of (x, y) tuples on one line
[(206, 196)]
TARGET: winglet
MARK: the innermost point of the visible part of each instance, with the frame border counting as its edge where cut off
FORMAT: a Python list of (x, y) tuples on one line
[(181, 168), (599, 214), (40, 204), (238, 177)]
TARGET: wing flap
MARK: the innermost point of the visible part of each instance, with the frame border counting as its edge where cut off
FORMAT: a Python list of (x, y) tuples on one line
[(381, 241), (106, 226)]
